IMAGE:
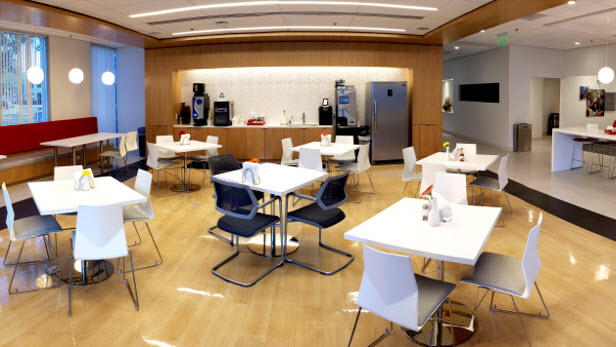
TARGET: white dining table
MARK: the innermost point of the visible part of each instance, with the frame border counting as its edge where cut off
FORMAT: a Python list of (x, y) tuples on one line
[(334, 149), (564, 148), (84, 140), (192, 146), (400, 228), (477, 162), (278, 180), (60, 197)]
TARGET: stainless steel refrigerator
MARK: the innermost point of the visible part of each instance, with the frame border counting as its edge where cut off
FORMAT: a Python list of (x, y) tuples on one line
[(387, 110)]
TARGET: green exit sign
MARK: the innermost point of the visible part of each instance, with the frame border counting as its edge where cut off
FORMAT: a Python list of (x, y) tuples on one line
[(502, 40)]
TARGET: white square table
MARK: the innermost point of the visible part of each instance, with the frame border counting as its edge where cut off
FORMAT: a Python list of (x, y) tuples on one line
[(278, 180), (477, 162), (400, 228), (72, 142), (335, 149), (58, 197), (192, 146)]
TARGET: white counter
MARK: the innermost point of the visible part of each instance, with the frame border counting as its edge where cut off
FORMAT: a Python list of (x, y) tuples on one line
[(563, 146), (295, 126)]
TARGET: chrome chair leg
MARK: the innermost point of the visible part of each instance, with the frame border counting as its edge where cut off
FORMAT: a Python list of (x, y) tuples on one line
[(386, 333), (417, 190), (330, 248), (354, 326), (404, 190), (425, 264), (521, 321), (4, 262), (211, 231), (136, 243), (135, 297), (160, 257), (501, 215), (508, 203), (70, 281), (539, 315)]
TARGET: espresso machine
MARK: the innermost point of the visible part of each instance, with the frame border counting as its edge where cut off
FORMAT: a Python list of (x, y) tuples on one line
[(346, 107), (222, 113), (200, 104)]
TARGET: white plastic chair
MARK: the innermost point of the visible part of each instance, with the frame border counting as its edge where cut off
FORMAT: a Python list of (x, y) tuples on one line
[(142, 212), (24, 229), (494, 184), (100, 235), (203, 159), (452, 187), (348, 156), (119, 154), (287, 153), (391, 290), (131, 141), (362, 165), (165, 154), (510, 276), (158, 164), (410, 174), (310, 158), (428, 175)]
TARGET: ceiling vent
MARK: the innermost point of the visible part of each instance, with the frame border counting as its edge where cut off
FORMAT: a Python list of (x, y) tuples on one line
[(533, 17)]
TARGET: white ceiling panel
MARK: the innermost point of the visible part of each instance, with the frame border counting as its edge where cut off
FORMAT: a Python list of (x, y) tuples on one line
[(318, 20)]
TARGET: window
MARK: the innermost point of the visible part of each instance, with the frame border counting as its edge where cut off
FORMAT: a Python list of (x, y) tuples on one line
[(104, 105), (22, 101)]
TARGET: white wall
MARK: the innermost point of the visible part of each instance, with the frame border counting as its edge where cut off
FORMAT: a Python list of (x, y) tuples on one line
[(483, 122), (130, 81), (68, 100), (573, 110), (551, 101), (536, 105), (270, 90)]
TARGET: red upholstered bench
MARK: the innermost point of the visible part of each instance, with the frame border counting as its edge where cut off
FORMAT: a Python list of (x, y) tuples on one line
[(16, 139)]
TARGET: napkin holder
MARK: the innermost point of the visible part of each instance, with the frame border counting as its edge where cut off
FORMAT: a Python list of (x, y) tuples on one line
[(326, 140), (445, 211), (83, 180), (250, 173), (184, 139)]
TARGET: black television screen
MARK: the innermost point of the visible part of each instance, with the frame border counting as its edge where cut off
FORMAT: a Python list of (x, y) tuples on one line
[(481, 92)]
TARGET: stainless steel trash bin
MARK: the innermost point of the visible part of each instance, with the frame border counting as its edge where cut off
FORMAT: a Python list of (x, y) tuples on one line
[(522, 137)]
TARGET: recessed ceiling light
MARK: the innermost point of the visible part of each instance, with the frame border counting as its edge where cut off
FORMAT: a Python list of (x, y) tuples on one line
[(282, 2), (576, 43), (483, 31), (456, 47), (571, 2), (297, 27)]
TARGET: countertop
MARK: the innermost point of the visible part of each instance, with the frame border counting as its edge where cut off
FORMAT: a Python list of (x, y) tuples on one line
[(295, 126)]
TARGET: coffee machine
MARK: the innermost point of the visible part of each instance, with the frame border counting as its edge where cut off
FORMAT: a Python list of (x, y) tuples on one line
[(345, 105), (200, 104), (326, 113), (222, 113)]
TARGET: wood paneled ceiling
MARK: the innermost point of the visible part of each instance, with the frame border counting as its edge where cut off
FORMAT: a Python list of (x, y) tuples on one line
[(110, 20)]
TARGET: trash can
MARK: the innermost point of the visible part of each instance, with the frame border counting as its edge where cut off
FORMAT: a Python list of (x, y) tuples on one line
[(553, 122), (142, 146), (522, 137), (363, 139)]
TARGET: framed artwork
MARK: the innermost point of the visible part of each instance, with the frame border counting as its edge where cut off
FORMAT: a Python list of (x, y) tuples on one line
[(595, 103), (583, 92)]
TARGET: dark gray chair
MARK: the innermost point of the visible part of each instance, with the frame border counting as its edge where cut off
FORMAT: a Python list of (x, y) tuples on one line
[(323, 213), (240, 206), (220, 164)]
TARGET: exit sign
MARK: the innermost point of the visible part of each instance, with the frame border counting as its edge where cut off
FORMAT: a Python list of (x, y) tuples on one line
[(502, 40)]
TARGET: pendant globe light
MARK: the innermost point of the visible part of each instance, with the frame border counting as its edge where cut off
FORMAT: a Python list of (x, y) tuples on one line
[(606, 74), (75, 75), (35, 75), (108, 78)]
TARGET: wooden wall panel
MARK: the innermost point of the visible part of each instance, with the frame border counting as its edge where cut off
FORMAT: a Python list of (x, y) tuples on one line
[(430, 140), (222, 138), (154, 130), (236, 140), (424, 62), (296, 135), (255, 143), (314, 134), (273, 143)]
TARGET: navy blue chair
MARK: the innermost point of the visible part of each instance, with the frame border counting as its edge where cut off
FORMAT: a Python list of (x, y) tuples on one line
[(322, 213), (240, 206)]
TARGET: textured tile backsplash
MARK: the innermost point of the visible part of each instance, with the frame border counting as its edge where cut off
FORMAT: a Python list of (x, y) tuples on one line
[(267, 91)]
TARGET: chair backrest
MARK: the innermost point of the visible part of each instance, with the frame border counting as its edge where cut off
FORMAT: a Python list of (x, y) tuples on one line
[(143, 186), (452, 187), (61, 173), (152, 160), (163, 153), (363, 158), (531, 262), (287, 153), (310, 158), (470, 149), (345, 140), (502, 172), (235, 200), (99, 233), (10, 213), (131, 141), (212, 140), (222, 163), (410, 163), (428, 175), (389, 289), (122, 146), (332, 193)]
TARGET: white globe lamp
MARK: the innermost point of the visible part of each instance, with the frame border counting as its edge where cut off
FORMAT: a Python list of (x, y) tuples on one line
[(108, 78), (606, 75), (75, 75), (35, 75)]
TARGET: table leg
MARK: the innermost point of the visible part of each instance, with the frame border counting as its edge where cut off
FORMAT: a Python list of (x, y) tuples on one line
[(84, 157), (87, 272), (185, 186), (74, 156), (55, 156), (100, 151), (263, 246)]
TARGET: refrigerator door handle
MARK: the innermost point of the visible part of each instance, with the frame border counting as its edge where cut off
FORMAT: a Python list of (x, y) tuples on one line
[(375, 118)]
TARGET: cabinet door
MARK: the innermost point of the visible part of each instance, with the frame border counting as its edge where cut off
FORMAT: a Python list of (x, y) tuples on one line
[(255, 143), (430, 139), (273, 143), (314, 134), (296, 135), (236, 143), (222, 138)]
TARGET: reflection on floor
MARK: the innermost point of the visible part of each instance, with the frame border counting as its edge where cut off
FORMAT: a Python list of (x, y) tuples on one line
[(183, 304)]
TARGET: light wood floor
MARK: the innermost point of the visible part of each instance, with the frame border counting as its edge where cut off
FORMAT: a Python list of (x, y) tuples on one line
[(183, 304)]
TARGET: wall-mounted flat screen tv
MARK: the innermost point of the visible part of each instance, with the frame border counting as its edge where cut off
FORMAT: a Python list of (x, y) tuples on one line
[(481, 92)]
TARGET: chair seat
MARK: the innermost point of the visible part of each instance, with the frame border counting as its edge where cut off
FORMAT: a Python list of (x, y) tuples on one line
[(68, 214), (246, 227), (582, 139), (315, 215), (499, 272), (351, 167), (111, 154), (35, 226), (169, 157), (415, 177), (486, 183), (165, 163), (341, 160), (431, 295), (132, 213), (198, 158), (292, 162)]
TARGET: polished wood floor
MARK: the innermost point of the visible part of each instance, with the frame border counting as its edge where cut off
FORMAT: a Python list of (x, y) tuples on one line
[(183, 304)]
